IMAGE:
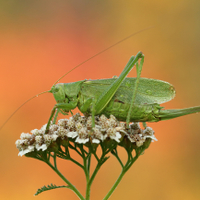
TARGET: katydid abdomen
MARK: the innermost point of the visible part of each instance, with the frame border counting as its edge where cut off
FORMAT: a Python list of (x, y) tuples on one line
[(139, 113), (120, 103), (149, 94)]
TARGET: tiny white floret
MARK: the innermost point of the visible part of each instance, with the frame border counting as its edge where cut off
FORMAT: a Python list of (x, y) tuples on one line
[(72, 134), (42, 147), (25, 151), (95, 141), (81, 140)]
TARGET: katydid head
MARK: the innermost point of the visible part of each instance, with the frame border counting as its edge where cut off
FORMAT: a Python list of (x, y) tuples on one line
[(58, 92), (66, 94)]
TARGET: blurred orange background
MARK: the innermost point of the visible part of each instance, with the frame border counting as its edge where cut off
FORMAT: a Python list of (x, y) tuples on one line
[(42, 40)]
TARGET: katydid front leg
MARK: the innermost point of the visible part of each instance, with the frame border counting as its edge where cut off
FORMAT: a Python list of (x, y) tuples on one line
[(107, 95), (68, 106)]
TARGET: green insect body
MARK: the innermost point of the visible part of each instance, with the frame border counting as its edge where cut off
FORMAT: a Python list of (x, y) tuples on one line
[(128, 99), (120, 102), (119, 105)]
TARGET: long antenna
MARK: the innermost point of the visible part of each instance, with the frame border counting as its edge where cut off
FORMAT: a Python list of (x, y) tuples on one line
[(126, 38), (20, 107)]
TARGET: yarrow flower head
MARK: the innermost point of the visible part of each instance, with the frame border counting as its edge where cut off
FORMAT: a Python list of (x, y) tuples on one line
[(78, 130), (82, 135)]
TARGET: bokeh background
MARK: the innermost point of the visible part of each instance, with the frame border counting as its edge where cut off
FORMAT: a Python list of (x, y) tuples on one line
[(42, 40)]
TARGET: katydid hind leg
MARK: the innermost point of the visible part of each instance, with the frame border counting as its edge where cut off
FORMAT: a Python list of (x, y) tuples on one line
[(173, 113), (139, 70), (107, 95)]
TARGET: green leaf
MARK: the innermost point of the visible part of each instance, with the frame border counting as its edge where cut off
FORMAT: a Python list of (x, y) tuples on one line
[(49, 187)]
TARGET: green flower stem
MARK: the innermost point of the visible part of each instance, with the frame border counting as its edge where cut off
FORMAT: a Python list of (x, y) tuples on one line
[(124, 170), (115, 153), (87, 169), (89, 181), (115, 185), (54, 159), (76, 162), (73, 148), (87, 175), (72, 187), (86, 162), (89, 161)]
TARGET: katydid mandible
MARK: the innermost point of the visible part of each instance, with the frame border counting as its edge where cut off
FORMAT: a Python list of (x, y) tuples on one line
[(128, 99)]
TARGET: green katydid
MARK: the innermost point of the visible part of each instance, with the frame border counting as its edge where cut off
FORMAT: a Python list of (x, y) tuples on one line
[(128, 99)]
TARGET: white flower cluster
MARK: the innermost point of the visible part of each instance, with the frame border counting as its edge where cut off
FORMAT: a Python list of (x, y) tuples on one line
[(79, 129)]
